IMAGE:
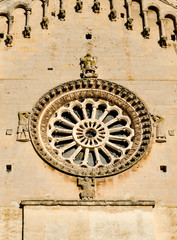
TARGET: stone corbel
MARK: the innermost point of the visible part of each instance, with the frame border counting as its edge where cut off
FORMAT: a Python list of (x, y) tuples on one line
[(27, 29), (163, 37), (87, 184), (129, 23), (160, 136), (45, 20), (146, 29), (9, 37), (113, 14), (62, 12), (96, 6), (79, 6)]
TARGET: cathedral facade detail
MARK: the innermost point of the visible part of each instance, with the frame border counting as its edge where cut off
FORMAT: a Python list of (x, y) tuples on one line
[(91, 128)]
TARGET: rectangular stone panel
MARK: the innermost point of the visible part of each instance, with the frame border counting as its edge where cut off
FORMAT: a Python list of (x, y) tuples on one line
[(88, 223)]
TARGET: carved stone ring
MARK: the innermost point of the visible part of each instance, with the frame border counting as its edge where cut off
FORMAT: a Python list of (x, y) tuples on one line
[(90, 128)]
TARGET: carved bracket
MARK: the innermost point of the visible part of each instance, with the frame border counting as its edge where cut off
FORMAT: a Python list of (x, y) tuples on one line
[(27, 31), (146, 32), (79, 6), (45, 23), (163, 41), (129, 24), (62, 14), (9, 39), (113, 15), (96, 6)]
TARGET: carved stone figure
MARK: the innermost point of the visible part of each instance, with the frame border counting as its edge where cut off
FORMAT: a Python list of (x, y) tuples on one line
[(22, 130), (129, 23), (8, 40), (113, 15), (96, 6), (87, 185), (88, 66), (160, 136), (62, 14), (79, 6), (27, 31), (45, 23)]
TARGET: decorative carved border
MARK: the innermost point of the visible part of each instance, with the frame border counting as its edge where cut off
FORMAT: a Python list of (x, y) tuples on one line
[(87, 203), (90, 88)]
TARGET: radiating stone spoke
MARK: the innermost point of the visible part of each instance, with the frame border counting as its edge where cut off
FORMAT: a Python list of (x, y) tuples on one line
[(114, 137), (106, 152), (114, 146), (74, 115), (64, 138), (84, 112), (111, 121), (76, 152), (68, 146), (61, 130), (97, 155), (67, 122), (117, 129), (103, 115), (86, 155), (93, 112)]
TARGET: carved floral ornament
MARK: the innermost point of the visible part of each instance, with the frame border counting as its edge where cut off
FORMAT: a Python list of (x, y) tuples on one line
[(90, 127)]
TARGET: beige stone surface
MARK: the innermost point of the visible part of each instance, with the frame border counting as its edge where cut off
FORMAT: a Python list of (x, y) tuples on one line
[(76, 223)]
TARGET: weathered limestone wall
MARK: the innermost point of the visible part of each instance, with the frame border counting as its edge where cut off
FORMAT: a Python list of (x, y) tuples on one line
[(51, 57)]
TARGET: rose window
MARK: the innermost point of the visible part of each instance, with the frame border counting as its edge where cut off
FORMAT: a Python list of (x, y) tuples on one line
[(90, 128), (90, 133)]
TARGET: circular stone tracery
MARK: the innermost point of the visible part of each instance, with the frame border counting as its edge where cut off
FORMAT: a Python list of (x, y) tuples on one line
[(90, 128), (90, 133)]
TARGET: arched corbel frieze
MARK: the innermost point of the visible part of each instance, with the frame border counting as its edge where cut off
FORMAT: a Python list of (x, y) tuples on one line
[(27, 9), (173, 19)]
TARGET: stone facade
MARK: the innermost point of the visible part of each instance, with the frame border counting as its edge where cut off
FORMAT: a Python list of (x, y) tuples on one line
[(131, 44)]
